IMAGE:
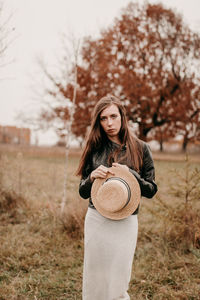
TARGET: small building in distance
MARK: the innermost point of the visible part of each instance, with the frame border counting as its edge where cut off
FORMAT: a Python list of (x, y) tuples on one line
[(15, 135)]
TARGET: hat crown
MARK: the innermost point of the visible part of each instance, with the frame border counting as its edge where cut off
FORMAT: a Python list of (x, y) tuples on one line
[(117, 193)]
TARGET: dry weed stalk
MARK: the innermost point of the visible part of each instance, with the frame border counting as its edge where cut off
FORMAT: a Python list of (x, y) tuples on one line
[(188, 187), (3, 163), (20, 171), (186, 217)]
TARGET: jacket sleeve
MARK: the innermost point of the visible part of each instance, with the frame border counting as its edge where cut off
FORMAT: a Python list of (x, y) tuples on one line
[(85, 182), (85, 187), (146, 178)]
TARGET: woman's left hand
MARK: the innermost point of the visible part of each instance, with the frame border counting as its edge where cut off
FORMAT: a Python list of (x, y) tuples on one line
[(123, 166)]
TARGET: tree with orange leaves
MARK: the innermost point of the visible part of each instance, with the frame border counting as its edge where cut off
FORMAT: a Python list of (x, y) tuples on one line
[(149, 59)]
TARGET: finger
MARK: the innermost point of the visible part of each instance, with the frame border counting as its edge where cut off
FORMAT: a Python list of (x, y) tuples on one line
[(122, 166), (111, 172), (105, 169), (101, 173), (115, 164)]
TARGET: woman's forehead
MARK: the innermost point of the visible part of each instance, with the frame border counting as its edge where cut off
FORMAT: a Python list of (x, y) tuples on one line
[(111, 109)]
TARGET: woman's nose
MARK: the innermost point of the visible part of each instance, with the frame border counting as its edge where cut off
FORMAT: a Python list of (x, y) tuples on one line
[(109, 121)]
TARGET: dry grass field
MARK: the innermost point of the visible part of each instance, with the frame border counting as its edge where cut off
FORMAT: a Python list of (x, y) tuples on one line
[(41, 251)]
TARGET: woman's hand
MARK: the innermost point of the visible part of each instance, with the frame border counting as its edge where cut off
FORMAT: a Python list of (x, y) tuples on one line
[(100, 172), (122, 166)]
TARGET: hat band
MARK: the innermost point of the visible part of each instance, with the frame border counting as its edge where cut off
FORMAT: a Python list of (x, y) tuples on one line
[(126, 185)]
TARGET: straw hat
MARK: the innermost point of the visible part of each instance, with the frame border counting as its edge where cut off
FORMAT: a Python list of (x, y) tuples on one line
[(116, 196)]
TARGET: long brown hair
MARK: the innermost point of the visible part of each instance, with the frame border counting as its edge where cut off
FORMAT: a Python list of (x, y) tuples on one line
[(97, 137)]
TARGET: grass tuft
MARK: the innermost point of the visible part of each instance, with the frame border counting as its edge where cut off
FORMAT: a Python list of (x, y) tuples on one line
[(9, 200), (73, 220)]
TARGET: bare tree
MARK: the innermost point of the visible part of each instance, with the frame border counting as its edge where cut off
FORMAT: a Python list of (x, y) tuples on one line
[(49, 87), (58, 109), (69, 126)]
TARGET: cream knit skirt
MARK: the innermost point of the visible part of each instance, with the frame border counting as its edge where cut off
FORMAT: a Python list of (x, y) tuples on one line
[(109, 248)]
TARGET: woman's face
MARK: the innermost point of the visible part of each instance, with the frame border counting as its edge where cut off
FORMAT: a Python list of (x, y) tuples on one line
[(110, 120)]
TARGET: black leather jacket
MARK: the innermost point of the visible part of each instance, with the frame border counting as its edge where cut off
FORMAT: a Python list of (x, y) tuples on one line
[(145, 177)]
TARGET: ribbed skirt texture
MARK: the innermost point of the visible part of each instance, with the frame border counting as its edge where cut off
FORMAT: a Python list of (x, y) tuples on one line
[(109, 248)]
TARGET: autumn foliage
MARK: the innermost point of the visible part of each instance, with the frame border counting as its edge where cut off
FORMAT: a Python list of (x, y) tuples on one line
[(149, 58)]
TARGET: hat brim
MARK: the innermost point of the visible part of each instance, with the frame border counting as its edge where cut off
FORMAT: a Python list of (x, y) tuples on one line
[(132, 205)]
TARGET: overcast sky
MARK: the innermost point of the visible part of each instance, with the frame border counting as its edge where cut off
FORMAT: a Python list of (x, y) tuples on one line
[(37, 27)]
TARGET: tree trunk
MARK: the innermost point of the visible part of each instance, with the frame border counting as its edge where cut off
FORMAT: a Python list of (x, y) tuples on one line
[(142, 132), (161, 145), (185, 142)]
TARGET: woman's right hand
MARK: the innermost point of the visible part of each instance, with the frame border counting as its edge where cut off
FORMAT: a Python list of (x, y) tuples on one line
[(100, 172)]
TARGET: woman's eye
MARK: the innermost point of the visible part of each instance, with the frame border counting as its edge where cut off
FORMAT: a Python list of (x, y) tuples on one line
[(103, 118)]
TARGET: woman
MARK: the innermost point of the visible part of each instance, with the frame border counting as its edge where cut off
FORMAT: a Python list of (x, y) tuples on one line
[(109, 245)]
